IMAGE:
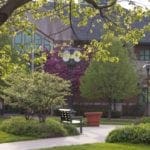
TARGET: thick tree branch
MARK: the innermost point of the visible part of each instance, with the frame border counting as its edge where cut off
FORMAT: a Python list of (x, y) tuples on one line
[(7, 9), (102, 9), (60, 31), (99, 7), (70, 19)]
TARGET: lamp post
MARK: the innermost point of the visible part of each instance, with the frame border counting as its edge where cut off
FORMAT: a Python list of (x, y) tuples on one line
[(71, 56), (147, 66), (33, 56)]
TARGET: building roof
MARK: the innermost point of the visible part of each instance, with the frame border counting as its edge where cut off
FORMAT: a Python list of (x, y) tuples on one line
[(146, 39), (57, 31)]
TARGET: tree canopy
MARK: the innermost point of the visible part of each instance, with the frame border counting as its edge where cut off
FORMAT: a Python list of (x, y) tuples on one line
[(36, 92), (113, 17), (110, 81), (116, 21), (7, 7)]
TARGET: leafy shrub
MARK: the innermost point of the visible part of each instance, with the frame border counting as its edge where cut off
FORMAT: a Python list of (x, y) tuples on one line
[(51, 128), (131, 134), (34, 93), (71, 129), (144, 120)]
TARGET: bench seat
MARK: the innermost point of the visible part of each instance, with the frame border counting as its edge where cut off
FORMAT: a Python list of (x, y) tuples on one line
[(68, 117)]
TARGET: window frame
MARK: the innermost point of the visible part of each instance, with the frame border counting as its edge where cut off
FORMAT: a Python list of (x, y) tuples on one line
[(27, 44), (144, 54)]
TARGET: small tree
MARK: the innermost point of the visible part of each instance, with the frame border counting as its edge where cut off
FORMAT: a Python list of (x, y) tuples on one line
[(56, 65), (110, 81), (37, 92)]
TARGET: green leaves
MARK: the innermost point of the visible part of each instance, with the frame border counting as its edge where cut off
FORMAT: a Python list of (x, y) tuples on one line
[(6, 57), (107, 80), (37, 92), (115, 20)]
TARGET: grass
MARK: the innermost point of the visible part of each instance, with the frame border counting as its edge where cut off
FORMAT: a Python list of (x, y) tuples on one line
[(5, 137), (104, 146), (2, 119), (118, 121)]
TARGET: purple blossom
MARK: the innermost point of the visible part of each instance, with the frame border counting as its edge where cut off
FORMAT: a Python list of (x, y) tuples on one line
[(56, 65)]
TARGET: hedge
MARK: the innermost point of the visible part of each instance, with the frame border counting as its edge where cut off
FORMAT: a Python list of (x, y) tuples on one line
[(131, 134)]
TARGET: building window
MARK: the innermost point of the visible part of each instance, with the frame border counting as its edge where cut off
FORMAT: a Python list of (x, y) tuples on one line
[(25, 42), (144, 54)]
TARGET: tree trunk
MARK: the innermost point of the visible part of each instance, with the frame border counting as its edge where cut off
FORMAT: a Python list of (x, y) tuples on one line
[(29, 114), (114, 105), (42, 117), (27, 117), (109, 108), (52, 111), (1, 107), (7, 9)]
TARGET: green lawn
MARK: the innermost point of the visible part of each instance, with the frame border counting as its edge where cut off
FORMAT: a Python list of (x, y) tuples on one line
[(1, 119), (5, 137), (104, 146), (118, 121)]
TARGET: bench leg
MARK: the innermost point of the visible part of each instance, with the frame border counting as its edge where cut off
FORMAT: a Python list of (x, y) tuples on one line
[(80, 126)]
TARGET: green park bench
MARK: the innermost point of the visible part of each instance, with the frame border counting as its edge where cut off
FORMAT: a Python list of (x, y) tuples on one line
[(67, 116)]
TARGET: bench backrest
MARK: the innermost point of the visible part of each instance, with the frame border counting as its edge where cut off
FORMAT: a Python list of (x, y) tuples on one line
[(65, 116)]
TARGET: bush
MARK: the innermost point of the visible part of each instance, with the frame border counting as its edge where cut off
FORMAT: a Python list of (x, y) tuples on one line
[(20, 126), (36, 83), (131, 134), (71, 129), (144, 120)]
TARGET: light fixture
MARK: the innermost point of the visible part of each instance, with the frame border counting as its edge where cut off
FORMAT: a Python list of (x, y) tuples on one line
[(77, 55), (71, 54), (66, 56)]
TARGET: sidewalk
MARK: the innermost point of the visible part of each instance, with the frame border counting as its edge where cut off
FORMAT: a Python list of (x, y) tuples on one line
[(90, 135)]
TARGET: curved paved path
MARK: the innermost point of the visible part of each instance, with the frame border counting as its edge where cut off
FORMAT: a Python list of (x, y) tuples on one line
[(90, 135)]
